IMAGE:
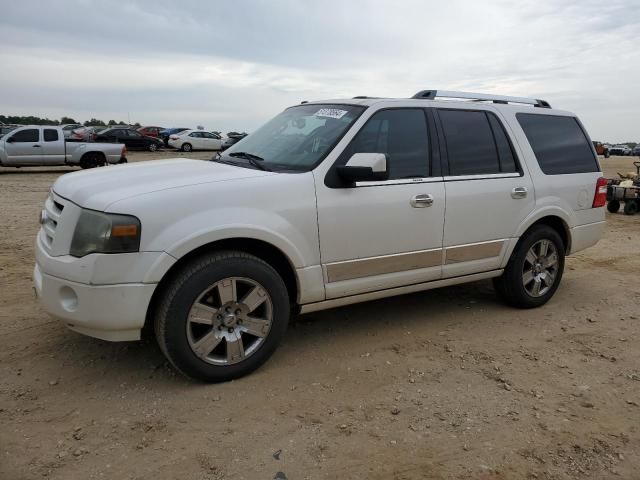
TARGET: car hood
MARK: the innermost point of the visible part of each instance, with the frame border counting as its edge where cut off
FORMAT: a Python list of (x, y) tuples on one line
[(98, 188)]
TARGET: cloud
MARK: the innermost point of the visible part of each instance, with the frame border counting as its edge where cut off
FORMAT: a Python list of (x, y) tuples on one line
[(233, 64)]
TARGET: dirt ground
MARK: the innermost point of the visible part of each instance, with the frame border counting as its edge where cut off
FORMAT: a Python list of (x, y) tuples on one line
[(445, 384)]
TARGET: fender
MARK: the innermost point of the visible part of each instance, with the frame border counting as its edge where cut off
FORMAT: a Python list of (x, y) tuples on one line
[(204, 237), (538, 214), (546, 211)]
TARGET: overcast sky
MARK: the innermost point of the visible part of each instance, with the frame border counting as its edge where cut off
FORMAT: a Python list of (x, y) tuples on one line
[(234, 64)]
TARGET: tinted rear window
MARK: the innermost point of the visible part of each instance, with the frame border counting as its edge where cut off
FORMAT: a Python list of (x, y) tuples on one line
[(476, 143), (559, 144)]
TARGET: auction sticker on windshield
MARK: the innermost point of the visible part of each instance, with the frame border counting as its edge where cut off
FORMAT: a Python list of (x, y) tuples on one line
[(330, 112)]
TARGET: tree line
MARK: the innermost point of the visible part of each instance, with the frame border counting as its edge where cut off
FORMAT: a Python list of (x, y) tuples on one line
[(32, 120)]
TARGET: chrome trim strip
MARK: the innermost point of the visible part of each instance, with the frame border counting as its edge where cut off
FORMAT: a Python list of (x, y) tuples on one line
[(400, 181), (368, 267), (477, 251), (364, 297), (453, 178)]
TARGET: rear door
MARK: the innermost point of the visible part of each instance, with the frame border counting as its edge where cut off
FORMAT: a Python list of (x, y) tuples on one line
[(489, 193), (24, 147), (195, 139), (53, 148)]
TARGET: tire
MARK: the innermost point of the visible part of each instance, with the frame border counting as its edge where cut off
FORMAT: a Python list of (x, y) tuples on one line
[(153, 147), (202, 350), (613, 206), (91, 160), (607, 154), (186, 147), (514, 288), (630, 207)]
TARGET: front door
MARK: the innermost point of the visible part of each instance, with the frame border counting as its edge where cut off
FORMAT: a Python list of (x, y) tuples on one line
[(489, 192), (383, 234), (24, 147)]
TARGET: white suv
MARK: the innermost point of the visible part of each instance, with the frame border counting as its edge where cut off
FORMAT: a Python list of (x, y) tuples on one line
[(329, 203)]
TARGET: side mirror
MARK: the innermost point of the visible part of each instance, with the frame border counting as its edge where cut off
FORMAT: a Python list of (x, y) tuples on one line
[(364, 167)]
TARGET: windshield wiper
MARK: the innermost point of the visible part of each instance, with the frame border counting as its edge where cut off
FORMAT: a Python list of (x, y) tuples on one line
[(254, 160)]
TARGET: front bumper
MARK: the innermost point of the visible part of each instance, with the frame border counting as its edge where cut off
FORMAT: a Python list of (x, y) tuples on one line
[(110, 312)]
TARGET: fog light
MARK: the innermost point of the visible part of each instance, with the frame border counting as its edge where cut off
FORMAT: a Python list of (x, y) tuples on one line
[(68, 299)]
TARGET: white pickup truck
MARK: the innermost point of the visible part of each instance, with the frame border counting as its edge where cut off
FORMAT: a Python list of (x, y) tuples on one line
[(36, 145)]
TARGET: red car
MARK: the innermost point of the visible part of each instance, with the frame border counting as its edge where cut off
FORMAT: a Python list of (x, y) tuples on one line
[(150, 131)]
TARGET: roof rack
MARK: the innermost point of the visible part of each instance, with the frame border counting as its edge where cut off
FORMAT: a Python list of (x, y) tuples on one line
[(480, 97)]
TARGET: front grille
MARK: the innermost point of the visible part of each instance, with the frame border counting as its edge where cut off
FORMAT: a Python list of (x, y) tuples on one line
[(53, 211)]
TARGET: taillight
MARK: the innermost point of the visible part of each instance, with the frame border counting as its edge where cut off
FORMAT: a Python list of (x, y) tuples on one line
[(600, 197)]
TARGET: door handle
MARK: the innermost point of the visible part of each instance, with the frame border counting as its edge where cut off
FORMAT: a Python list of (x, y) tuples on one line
[(422, 200), (519, 192), (36, 146)]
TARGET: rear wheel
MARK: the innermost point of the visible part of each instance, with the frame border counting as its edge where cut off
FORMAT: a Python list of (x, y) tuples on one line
[(153, 147), (92, 160), (186, 147), (534, 270), (631, 207), (613, 206), (222, 316)]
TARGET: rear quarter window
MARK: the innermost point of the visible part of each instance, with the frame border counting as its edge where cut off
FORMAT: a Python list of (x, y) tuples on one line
[(559, 144)]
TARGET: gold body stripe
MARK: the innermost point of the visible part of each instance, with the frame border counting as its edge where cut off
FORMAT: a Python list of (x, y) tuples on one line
[(466, 253), (402, 262), (367, 267)]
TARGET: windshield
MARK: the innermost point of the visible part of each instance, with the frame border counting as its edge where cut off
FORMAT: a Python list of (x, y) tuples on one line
[(298, 138)]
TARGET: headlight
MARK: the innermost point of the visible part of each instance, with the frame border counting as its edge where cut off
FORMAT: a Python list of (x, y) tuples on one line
[(98, 232)]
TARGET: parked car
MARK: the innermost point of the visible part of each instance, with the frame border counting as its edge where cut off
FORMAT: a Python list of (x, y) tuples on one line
[(636, 150), (328, 204), (620, 149), (232, 139), (195, 140), (67, 128), (151, 131), (601, 149), (131, 138), (85, 134), (165, 134), (38, 145)]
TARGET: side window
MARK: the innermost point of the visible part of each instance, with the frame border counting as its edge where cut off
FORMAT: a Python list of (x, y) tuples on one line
[(399, 133), (559, 144), (50, 135), (26, 136), (476, 143), (505, 152)]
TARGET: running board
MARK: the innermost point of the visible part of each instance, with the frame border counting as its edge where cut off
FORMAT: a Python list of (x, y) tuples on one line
[(392, 292)]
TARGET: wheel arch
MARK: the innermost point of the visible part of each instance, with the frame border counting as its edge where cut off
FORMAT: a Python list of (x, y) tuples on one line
[(94, 152), (259, 248)]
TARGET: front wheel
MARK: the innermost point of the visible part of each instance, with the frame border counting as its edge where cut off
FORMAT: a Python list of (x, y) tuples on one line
[(534, 270), (186, 147), (153, 147), (222, 316)]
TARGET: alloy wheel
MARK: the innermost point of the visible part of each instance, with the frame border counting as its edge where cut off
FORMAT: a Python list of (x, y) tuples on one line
[(229, 321)]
